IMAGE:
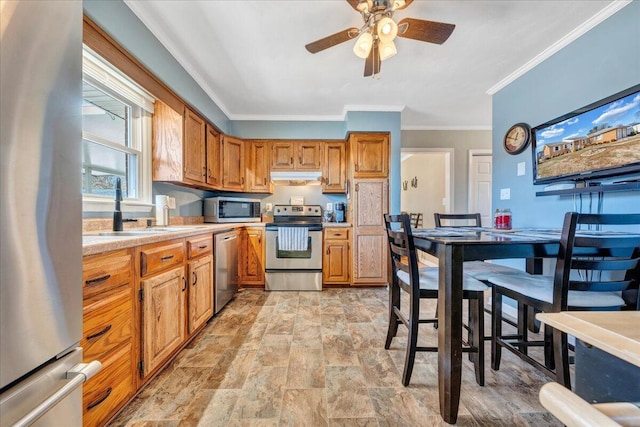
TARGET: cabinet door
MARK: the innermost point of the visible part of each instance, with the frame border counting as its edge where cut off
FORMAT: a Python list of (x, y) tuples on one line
[(200, 292), (167, 143), (233, 163), (214, 165), (370, 155), (370, 262), (252, 256), (282, 155), (163, 317), (335, 168), (309, 155), (195, 160), (259, 167), (370, 203), (335, 262)]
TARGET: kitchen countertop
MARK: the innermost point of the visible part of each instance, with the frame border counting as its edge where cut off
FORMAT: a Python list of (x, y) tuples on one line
[(94, 243), (336, 224)]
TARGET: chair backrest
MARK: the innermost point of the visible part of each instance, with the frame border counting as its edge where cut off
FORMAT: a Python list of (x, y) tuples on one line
[(606, 260), (403, 250), (458, 220)]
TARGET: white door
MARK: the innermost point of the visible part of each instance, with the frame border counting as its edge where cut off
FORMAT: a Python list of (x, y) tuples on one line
[(480, 164)]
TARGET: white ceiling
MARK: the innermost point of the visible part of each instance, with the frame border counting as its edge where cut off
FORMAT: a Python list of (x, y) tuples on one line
[(249, 56)]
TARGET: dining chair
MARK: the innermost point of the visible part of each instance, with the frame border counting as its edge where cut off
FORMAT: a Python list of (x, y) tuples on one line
[(595, 270), (423, 284)]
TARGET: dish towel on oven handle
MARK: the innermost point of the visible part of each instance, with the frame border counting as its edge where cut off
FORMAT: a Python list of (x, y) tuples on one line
[(293, 238)]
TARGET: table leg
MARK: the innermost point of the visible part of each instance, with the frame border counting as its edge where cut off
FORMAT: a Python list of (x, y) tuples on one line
[(450, 330)]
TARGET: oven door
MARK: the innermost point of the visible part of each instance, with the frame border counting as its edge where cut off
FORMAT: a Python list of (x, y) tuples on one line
[(310, 259)]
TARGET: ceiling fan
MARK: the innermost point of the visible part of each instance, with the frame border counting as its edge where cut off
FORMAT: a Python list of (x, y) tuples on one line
[(375, 37)]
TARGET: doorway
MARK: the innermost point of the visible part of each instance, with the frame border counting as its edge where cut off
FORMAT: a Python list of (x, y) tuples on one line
[(426, 182), (480, 169)]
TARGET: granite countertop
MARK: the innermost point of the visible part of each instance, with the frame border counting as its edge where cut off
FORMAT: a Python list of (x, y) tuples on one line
[(94, 243)]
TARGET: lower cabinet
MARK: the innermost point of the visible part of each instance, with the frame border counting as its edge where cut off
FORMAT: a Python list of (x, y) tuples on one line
[(200, 278), (336, 256), (252, 256)]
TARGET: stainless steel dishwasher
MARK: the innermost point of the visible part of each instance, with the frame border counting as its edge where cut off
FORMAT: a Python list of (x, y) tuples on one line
[(225, 251)]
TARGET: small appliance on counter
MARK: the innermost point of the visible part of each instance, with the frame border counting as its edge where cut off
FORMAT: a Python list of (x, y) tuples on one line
[(339, 212)]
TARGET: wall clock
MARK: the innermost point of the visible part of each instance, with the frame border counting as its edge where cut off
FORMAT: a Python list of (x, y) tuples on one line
[(517, 138)]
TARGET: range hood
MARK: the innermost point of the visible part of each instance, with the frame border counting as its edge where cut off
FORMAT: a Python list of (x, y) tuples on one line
[(296, 177)]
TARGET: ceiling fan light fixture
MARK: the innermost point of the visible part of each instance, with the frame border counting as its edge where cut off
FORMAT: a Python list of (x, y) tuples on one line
[(397, 4), (363, 45), (365, 6), (387, 50), (387, 29)]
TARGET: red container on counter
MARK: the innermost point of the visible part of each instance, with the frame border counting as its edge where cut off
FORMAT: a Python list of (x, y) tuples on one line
[(502, 219)]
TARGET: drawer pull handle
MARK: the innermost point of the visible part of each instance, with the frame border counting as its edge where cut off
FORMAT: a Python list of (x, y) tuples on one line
[(195, 278), (166, 258), (202, 247), (327, 251), (184, 284), (102, 332), (92, 405), (92, 282)]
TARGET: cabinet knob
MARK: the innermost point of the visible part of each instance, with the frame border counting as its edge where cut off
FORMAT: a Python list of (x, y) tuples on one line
[(209, 173), (327, 251), (204, 171)]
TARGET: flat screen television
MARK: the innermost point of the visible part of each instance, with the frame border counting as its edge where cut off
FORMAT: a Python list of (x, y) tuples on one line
[(599, 140)]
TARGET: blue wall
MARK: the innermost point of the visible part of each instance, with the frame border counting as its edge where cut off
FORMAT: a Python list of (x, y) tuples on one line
[(602, 62)]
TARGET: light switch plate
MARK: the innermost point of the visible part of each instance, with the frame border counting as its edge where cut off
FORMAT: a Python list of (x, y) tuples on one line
[(505, 193), (329, 206), (269, 206), (521, 168)]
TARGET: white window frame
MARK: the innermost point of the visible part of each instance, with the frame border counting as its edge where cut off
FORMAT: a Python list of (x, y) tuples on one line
[(99, 73)]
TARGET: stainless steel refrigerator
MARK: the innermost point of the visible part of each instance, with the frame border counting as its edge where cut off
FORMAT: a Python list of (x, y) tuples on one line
[(41, 373)]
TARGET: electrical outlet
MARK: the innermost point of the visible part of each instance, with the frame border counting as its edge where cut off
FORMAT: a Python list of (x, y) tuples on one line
[(521, 168), (505, 193), (171, 202), (269, 206), (329, 206)]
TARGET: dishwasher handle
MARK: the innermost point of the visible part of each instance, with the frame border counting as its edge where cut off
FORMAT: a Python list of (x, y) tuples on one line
[(77, 375)]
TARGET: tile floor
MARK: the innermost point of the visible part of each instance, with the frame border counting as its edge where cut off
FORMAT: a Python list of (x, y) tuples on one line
[(318, 359)]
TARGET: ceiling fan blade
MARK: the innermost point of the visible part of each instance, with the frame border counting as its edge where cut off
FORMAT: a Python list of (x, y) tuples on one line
[(332, 40), (372, 63), (426, 31), (354, 4)]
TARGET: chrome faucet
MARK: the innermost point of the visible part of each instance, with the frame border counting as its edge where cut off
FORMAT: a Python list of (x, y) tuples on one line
[(117, 215)]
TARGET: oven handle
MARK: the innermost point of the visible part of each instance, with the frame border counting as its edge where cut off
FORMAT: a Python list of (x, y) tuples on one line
[(311, 227)]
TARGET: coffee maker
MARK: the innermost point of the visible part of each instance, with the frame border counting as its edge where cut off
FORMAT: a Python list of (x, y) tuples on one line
[(339, 212)]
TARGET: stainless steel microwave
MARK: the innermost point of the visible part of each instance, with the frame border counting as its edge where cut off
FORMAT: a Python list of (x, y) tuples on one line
[(231, 209)]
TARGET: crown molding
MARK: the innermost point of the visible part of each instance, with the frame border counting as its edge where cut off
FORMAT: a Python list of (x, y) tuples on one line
[(576, 33)]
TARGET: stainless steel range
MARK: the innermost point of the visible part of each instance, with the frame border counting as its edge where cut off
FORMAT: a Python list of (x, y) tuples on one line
[(294, 249)]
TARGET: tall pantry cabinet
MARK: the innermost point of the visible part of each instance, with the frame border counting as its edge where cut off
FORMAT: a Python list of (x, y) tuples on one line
[(368, 194)]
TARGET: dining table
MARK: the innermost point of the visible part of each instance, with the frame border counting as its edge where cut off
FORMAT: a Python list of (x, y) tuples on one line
[(453, 246)]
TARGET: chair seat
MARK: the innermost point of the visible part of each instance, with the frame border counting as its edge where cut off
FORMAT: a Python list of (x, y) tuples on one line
[(481, 270), (429, 280), (541, 288)]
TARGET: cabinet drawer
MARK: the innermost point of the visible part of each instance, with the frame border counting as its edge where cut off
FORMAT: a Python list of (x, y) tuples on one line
[(200, 245), (335, 233), (104, 394), (105, 271), (107, 324), (158, 257)]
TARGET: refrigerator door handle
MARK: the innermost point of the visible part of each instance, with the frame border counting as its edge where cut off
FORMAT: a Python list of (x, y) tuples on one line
[(78, 375)]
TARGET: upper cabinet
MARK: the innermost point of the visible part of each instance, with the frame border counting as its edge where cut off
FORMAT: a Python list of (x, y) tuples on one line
[(185, 150), (233, 164), (334, 170), (369, 154), (296, 155), (258, 169), (214, 161)]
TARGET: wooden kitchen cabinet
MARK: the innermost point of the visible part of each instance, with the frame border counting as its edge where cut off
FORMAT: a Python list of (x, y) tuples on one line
[(195, 146), (370, 201), (214, 161), (163, 293), (200, 276), (369, 154), (108, 333), (296, 155), (233, 163), (334, 170), (258, 167), (252, 256), (336, 256)]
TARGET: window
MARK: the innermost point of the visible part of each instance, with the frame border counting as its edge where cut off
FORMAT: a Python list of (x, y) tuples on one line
[(116, 138)]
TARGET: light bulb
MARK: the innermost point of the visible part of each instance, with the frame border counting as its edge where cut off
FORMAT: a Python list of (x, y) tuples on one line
[(387, 29), (398, 4), (365, 6), (363, 45), (387, 50)]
